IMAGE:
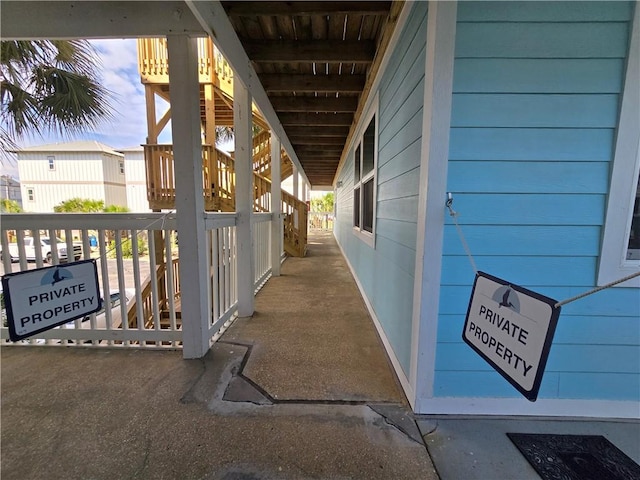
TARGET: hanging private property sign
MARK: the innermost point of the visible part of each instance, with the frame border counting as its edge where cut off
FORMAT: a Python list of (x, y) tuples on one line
[(38, 300), (512, 329)]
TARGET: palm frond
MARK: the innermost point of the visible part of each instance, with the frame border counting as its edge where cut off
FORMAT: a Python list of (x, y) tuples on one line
[(51, 86), (19, 110), (70, 102)]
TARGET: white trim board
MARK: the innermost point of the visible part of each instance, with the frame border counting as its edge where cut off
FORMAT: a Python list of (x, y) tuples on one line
[(521, 406), (626, 163), (404, 381), (434, 153)]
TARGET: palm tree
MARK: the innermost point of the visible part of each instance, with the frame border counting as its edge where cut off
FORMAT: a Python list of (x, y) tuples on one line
[(49, 86)]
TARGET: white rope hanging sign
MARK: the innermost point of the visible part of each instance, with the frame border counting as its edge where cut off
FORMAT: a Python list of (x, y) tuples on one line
[(511, 327)]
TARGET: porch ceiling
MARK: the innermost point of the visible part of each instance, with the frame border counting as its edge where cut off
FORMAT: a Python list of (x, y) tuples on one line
[(315, 60)]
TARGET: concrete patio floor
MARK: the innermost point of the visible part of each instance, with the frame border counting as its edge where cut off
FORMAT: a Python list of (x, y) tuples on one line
[(301, 390)]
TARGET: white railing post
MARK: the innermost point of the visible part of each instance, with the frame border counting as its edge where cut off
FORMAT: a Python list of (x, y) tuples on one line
[(242, 117), (276, 206), (187, 150)]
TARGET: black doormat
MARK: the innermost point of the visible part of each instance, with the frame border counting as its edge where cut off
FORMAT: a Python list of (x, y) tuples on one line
[(575, 457)]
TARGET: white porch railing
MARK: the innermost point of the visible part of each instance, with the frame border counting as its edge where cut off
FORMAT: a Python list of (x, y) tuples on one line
[(261, 249), (141, 310)]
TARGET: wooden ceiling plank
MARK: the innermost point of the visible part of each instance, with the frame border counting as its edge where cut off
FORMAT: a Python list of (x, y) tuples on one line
[(269, 27), (370, 28), (303, 27), (251, 27), (313, 140), (353, 27), (310, 51), (317, 131), (313, 83), (322, 150), (285, 28), (319, 27), (314, 104), (336, 27), (243, 8), (316, 119)]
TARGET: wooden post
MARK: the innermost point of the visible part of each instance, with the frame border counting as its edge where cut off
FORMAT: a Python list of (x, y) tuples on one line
[(276, 207), (296, 190), (244, 196), (187, 148), (210, 115)]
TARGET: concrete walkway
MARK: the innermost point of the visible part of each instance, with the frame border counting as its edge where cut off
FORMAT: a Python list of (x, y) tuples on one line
[(302, 390), (312, 336)]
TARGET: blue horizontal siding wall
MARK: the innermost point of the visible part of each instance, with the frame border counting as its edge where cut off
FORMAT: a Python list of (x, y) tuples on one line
[(535, 107), (386, 273)]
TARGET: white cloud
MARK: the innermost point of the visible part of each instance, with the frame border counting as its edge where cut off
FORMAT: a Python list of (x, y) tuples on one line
[(120, 76)]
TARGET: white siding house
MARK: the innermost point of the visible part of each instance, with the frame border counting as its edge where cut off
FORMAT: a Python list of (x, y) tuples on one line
[(51, 174), (136, 179), (10, 189)]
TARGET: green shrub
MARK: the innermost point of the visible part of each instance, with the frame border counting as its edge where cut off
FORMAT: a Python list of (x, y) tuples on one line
[(127, 248)]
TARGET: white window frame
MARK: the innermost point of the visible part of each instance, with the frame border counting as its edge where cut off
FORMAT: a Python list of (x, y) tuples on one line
[(31, 194), (51, 160), (624, 176), (367, 237), (121, 166)]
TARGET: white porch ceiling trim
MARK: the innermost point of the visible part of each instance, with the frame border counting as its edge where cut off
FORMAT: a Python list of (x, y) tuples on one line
[(215, 22), (34, 20)]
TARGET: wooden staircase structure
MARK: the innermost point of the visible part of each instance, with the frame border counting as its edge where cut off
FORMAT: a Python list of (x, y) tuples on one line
[(218, 171)]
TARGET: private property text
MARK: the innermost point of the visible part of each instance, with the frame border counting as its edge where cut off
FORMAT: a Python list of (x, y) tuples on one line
[(52, 312), (501, 350)]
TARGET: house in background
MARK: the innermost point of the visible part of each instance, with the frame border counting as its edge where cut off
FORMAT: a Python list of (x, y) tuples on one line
[(10, 189), (51, 174), (136, 179)]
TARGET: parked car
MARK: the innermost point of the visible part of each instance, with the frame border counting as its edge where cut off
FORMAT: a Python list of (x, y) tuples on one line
[(30, 247)]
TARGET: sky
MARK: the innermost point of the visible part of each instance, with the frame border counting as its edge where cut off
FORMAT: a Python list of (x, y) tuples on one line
[(128, 127)]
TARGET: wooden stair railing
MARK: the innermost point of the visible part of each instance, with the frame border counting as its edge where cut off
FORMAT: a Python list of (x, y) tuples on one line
[(147, 304), (262, 157), (147, 300), (218, 177)]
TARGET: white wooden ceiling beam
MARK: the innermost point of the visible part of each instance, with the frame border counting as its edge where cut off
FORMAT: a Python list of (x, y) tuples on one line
[(32, 20)]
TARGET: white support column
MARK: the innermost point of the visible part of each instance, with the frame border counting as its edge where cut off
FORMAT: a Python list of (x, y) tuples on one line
[(436, 122), (304, 191), (187, 150), (296, 177), (244, 196), (276, 207)]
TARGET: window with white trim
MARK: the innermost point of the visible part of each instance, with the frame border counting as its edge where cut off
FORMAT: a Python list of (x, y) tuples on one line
[(121, 165), (364, 180), (31, 195), (633, 246), (52, 162), (620, 254)]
